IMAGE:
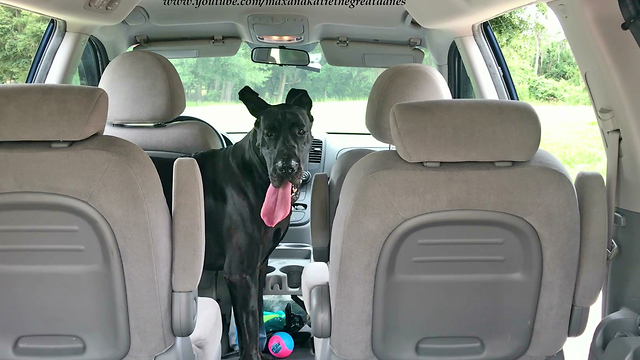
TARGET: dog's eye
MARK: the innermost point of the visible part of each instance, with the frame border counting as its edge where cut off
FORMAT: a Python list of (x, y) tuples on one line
[(268, 134), (302, 132)]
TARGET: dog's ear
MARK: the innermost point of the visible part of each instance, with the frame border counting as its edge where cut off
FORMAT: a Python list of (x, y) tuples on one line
[(252, 101), (301, 98)]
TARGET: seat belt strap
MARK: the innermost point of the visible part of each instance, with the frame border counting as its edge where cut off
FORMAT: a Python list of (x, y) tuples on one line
[(612, 137)]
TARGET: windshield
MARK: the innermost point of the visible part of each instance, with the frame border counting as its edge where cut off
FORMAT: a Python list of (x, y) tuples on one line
[(211, 85)]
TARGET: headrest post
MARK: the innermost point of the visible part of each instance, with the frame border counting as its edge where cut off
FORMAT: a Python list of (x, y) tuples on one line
[(503, 163)]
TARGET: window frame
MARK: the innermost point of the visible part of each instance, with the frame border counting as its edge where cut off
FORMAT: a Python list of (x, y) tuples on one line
[(457, 71), (46, 51), (630, 10), (37, 59), (501, 63), (99, 60)]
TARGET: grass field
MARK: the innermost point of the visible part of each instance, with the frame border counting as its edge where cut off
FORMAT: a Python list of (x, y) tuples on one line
[(569, 132)]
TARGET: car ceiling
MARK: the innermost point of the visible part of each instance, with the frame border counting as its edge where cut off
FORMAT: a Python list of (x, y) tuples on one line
[(385, 22)]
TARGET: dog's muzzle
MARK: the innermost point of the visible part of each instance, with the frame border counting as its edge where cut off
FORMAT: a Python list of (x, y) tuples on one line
[(288, 169)]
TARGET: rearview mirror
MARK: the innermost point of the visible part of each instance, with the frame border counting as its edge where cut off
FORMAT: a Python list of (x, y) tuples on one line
[(280, 56)]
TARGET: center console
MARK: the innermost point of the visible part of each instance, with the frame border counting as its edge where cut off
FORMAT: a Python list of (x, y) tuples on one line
[(294, 252), (285, 276)]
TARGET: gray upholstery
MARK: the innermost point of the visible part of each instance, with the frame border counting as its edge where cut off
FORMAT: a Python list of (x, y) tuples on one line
[(593, 237), (384, 191), (465, 130), (384, 187), (118, 180), (398, 84), (187, 212), (314, 274), (208, 332), (27, 113), (143, 87), (320, 217), (182, 137), (401, 83), (320, 305), (188, 225), (339, 172), (146, 96)]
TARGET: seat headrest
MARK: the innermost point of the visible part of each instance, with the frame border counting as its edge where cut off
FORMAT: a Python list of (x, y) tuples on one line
[(143, 88), (35, 112), (398, 84), (465, 131)]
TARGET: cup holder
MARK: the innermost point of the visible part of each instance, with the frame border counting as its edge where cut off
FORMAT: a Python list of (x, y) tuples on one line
[(294, 275), (275, 283)]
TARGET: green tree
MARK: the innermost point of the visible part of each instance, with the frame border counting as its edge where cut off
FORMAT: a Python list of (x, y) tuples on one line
[(541, 62), (20, 35), (219, 79)]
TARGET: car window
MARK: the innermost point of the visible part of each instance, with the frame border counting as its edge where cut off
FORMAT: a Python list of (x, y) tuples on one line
[(20, 34), (91, 65), (545, 74), (459, 80), (339, 93)]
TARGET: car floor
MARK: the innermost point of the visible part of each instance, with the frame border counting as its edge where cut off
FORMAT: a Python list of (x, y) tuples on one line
[(301, 352), (578, 348)]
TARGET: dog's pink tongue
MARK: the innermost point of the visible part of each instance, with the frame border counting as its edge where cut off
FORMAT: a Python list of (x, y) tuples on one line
[(277, 204)]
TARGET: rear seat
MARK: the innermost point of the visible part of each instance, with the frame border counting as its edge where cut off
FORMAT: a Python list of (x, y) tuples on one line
[(398, 84), (146, 100), (92, 257)]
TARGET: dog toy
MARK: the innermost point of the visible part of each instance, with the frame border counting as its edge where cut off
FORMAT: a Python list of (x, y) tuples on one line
[(274, 321), (281, 345)]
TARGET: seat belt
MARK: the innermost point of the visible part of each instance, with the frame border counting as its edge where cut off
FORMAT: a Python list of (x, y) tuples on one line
[(612, 136), (613, 159)]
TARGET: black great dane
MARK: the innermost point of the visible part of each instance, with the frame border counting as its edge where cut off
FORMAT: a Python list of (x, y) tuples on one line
[(249, 189)]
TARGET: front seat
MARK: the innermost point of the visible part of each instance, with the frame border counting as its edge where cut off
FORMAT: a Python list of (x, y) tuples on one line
[(92, 263), (146, 100), (467, 242), (400, 83)]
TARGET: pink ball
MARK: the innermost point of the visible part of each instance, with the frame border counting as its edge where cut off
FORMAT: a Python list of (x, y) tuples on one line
[(281, 345)]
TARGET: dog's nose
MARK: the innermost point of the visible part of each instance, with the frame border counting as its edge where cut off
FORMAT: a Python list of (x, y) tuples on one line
[(287, 166)]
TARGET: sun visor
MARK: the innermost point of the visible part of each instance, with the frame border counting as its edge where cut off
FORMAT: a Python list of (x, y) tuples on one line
[(365, 54), (192, 48)]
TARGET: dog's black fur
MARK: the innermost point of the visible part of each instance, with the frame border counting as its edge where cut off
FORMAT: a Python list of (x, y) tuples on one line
[(235, 184)]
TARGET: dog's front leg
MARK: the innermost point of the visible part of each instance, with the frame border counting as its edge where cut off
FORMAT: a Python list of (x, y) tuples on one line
[(245, 298)]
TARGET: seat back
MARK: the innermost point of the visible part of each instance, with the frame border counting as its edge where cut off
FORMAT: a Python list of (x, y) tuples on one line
[(85, 233), (398, 84), (463, 243), (146, 100)]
